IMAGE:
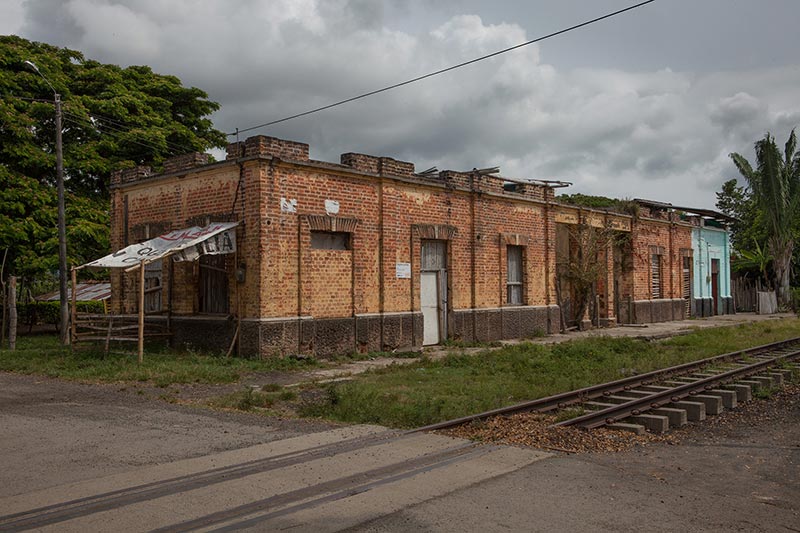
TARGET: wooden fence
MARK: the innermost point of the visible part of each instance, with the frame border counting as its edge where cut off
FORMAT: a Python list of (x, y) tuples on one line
[(745, 294)]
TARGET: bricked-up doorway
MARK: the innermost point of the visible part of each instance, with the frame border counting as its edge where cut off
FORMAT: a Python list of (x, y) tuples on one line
[(433, 291)]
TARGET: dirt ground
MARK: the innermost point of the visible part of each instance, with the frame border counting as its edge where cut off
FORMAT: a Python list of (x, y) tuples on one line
[(740, 471), (54, 432)]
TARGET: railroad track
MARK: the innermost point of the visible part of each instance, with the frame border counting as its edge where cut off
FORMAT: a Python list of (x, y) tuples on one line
[(665, 398)]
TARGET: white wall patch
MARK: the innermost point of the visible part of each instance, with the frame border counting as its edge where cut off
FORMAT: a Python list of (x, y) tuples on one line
[(288, 205), (331, 207)]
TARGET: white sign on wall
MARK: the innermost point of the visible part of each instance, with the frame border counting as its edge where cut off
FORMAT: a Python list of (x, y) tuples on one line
[(403, 270)]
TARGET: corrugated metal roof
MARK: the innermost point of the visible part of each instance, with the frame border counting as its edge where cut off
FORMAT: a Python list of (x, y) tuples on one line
[(87, 291)]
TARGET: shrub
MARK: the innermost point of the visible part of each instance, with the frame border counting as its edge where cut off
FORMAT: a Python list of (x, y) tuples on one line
[(32, 313), (795, 299)]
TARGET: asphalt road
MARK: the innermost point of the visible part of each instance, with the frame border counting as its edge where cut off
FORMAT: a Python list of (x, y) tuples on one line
[(63, 440)]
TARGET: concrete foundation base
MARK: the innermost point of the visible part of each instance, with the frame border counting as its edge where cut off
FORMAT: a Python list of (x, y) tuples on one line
[(322, 337), (519, 322)]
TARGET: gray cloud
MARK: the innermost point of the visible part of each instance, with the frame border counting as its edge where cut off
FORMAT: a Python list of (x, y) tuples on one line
[(598, 118)]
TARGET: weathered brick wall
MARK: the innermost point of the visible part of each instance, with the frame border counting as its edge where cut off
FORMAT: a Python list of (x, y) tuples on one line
[(292, 193), (388, 211), (146, 207), (667, 237)]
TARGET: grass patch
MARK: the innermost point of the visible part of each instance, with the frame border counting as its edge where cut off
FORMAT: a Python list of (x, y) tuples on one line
[(430, 391), (249, 399), (44, 355), (765, 393)]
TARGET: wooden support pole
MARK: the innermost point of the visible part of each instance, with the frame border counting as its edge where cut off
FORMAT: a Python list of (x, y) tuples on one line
[(12, 313), (141, 312), (74, 310)]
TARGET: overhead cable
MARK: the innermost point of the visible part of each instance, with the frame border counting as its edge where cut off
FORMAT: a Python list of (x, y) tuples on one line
[(441, 71)]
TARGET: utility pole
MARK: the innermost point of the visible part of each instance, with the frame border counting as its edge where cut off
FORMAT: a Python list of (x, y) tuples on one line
[(62, 226)]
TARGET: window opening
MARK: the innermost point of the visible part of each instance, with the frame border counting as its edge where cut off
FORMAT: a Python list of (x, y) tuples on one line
[(213, 284), (514, 270), (655, 276), (687, 285), (330, 240), (152, 287), (434, 255)]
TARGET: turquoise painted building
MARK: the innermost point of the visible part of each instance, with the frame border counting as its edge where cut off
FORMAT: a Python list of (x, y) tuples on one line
[(711, 275)]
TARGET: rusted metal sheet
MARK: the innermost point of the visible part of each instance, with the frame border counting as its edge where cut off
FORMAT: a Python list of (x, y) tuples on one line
[(87, 291)]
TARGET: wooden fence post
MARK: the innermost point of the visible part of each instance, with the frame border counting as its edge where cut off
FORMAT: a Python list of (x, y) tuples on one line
[(141, 312), (12, 313), (74, 311)]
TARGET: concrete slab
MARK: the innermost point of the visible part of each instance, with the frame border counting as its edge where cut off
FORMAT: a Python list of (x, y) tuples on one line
[(752, 383), (307, 472), (744, 393), (729, 399), (653, 423), (777, 378), (636, 429), (695, 411), (713, 403), (677, 417), (766, 382)]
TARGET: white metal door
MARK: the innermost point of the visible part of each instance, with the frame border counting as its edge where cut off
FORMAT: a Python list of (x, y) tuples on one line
[(429, 301)]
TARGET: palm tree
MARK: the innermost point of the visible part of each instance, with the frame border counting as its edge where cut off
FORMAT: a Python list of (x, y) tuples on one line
[(775, 185)]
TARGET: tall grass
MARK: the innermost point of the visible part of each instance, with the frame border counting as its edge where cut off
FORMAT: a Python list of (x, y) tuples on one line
[(44, 355), (458, 385)]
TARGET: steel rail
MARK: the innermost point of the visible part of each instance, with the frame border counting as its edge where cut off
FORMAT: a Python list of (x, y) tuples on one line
[(637, 406), (565, 399)]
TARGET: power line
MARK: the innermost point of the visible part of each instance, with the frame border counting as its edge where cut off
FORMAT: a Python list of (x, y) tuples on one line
[(109, 127), (442, 71), (105, 128), (80, 121)]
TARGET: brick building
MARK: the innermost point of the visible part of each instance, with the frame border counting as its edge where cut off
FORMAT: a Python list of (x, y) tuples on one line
[(367, 255)]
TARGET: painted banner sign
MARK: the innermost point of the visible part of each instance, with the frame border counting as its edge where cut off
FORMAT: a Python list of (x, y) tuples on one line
[(185, 244)]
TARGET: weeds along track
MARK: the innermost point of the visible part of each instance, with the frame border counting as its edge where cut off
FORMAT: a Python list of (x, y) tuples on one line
[(665, 398)]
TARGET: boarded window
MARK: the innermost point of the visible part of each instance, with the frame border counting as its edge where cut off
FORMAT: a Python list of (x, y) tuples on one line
[(514, 269), (213, 285), (152, 287), (655, 276), (330, 240), (434, 255)]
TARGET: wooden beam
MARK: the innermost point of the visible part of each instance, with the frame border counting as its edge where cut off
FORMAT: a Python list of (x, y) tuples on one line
[(141, 312), (74, 310)]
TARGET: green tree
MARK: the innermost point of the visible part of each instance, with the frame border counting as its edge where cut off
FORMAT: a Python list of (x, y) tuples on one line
[(113, 118), (775, 187)]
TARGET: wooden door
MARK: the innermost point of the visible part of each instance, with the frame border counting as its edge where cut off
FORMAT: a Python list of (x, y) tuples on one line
[(433, 291)]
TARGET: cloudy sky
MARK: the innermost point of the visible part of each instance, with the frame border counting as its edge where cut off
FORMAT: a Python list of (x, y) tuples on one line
[(647, 104)]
